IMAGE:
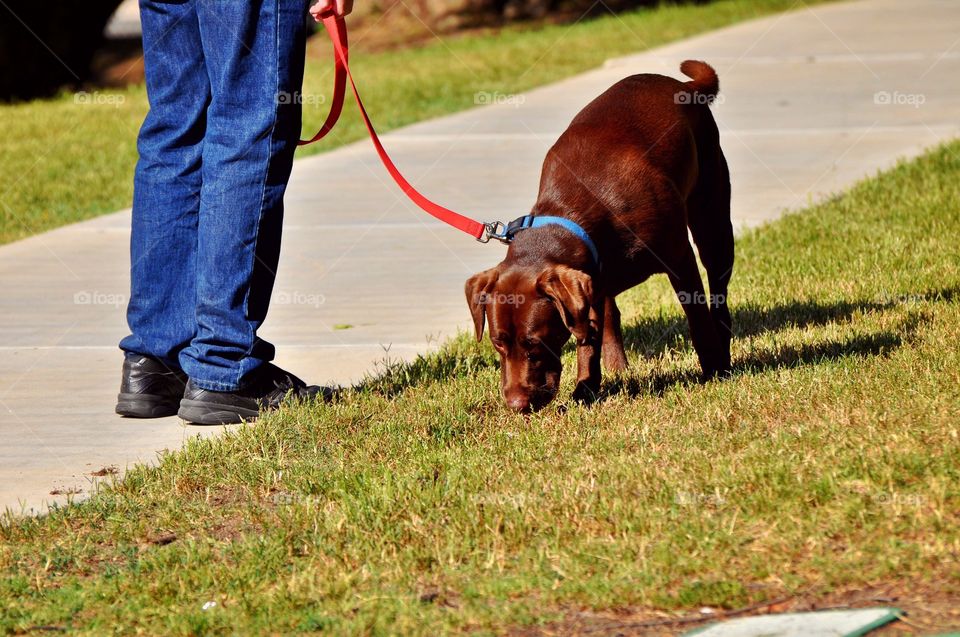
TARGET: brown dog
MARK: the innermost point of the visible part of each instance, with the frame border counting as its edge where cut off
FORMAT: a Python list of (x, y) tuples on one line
[(636, 168)]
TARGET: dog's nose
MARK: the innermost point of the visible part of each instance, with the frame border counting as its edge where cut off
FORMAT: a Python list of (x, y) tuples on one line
[(518, 402)]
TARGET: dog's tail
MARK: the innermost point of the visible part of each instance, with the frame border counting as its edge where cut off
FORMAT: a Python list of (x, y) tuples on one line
[(704, 84)]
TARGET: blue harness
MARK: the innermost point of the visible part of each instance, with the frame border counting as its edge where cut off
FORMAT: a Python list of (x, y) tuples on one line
[(506, 233)]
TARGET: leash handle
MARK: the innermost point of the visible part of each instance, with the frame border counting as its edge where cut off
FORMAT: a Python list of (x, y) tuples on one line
[(337, 30)]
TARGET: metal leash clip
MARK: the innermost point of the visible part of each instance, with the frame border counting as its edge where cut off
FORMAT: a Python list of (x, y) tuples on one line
[(494, 230)]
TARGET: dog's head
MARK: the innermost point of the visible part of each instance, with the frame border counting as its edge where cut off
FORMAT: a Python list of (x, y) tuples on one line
[(531, 315)]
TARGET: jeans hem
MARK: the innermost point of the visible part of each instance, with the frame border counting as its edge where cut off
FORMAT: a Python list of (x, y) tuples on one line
[(212, 385), (172, 365)]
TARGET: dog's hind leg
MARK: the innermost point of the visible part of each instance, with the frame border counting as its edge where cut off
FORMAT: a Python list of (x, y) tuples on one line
[(709, 220), (614, 357), (685, 278)]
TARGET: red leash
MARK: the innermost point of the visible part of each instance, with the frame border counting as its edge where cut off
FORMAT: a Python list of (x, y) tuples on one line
[(337, 29)]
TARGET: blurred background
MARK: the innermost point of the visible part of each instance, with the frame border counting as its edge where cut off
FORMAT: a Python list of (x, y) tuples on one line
[(49, 46)]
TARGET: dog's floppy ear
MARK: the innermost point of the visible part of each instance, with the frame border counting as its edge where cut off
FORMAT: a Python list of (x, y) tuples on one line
[(476, 289), (571, 291)]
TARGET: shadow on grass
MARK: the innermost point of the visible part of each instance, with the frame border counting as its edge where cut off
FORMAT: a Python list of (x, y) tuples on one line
[(654, 335), (880, 343)]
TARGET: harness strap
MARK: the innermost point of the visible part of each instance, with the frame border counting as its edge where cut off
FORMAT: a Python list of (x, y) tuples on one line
[(533, 221)]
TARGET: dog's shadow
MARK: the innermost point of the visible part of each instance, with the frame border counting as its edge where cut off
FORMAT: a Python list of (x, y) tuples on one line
[(652, 336)]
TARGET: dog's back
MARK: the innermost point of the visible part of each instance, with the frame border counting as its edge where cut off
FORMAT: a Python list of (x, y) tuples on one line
[(650, 122)]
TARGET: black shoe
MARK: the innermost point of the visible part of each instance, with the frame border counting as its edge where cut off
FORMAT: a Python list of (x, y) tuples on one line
[(149, 389), (266, 389)]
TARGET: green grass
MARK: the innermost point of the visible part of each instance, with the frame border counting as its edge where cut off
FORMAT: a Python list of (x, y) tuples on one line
[(72, 158), (418, 505)]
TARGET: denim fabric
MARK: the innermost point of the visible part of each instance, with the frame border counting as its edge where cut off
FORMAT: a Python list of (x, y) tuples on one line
[(216, 149)]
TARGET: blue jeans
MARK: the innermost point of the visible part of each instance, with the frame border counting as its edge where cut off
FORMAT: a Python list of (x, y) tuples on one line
[(216, 149)]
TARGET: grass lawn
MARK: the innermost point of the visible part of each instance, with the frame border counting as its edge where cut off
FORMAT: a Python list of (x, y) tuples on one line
[(828, 463), (72, 158)]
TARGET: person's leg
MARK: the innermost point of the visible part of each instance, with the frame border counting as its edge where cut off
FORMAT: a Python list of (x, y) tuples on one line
[(254, 53), (167, 181)]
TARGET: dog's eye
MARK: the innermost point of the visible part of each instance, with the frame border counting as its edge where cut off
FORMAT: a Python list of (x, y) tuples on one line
[(532, 349)]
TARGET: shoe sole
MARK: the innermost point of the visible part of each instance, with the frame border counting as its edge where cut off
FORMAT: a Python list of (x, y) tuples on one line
[(146, 406), (200, 412)]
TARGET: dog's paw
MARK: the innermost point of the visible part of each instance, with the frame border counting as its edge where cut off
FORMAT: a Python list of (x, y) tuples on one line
[(719, 373), (586, 391)]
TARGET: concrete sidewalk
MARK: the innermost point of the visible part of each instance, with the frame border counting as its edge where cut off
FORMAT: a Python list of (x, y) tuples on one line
[(812, 100)]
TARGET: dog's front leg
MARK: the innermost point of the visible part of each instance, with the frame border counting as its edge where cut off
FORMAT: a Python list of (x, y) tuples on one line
[(588, 358)]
